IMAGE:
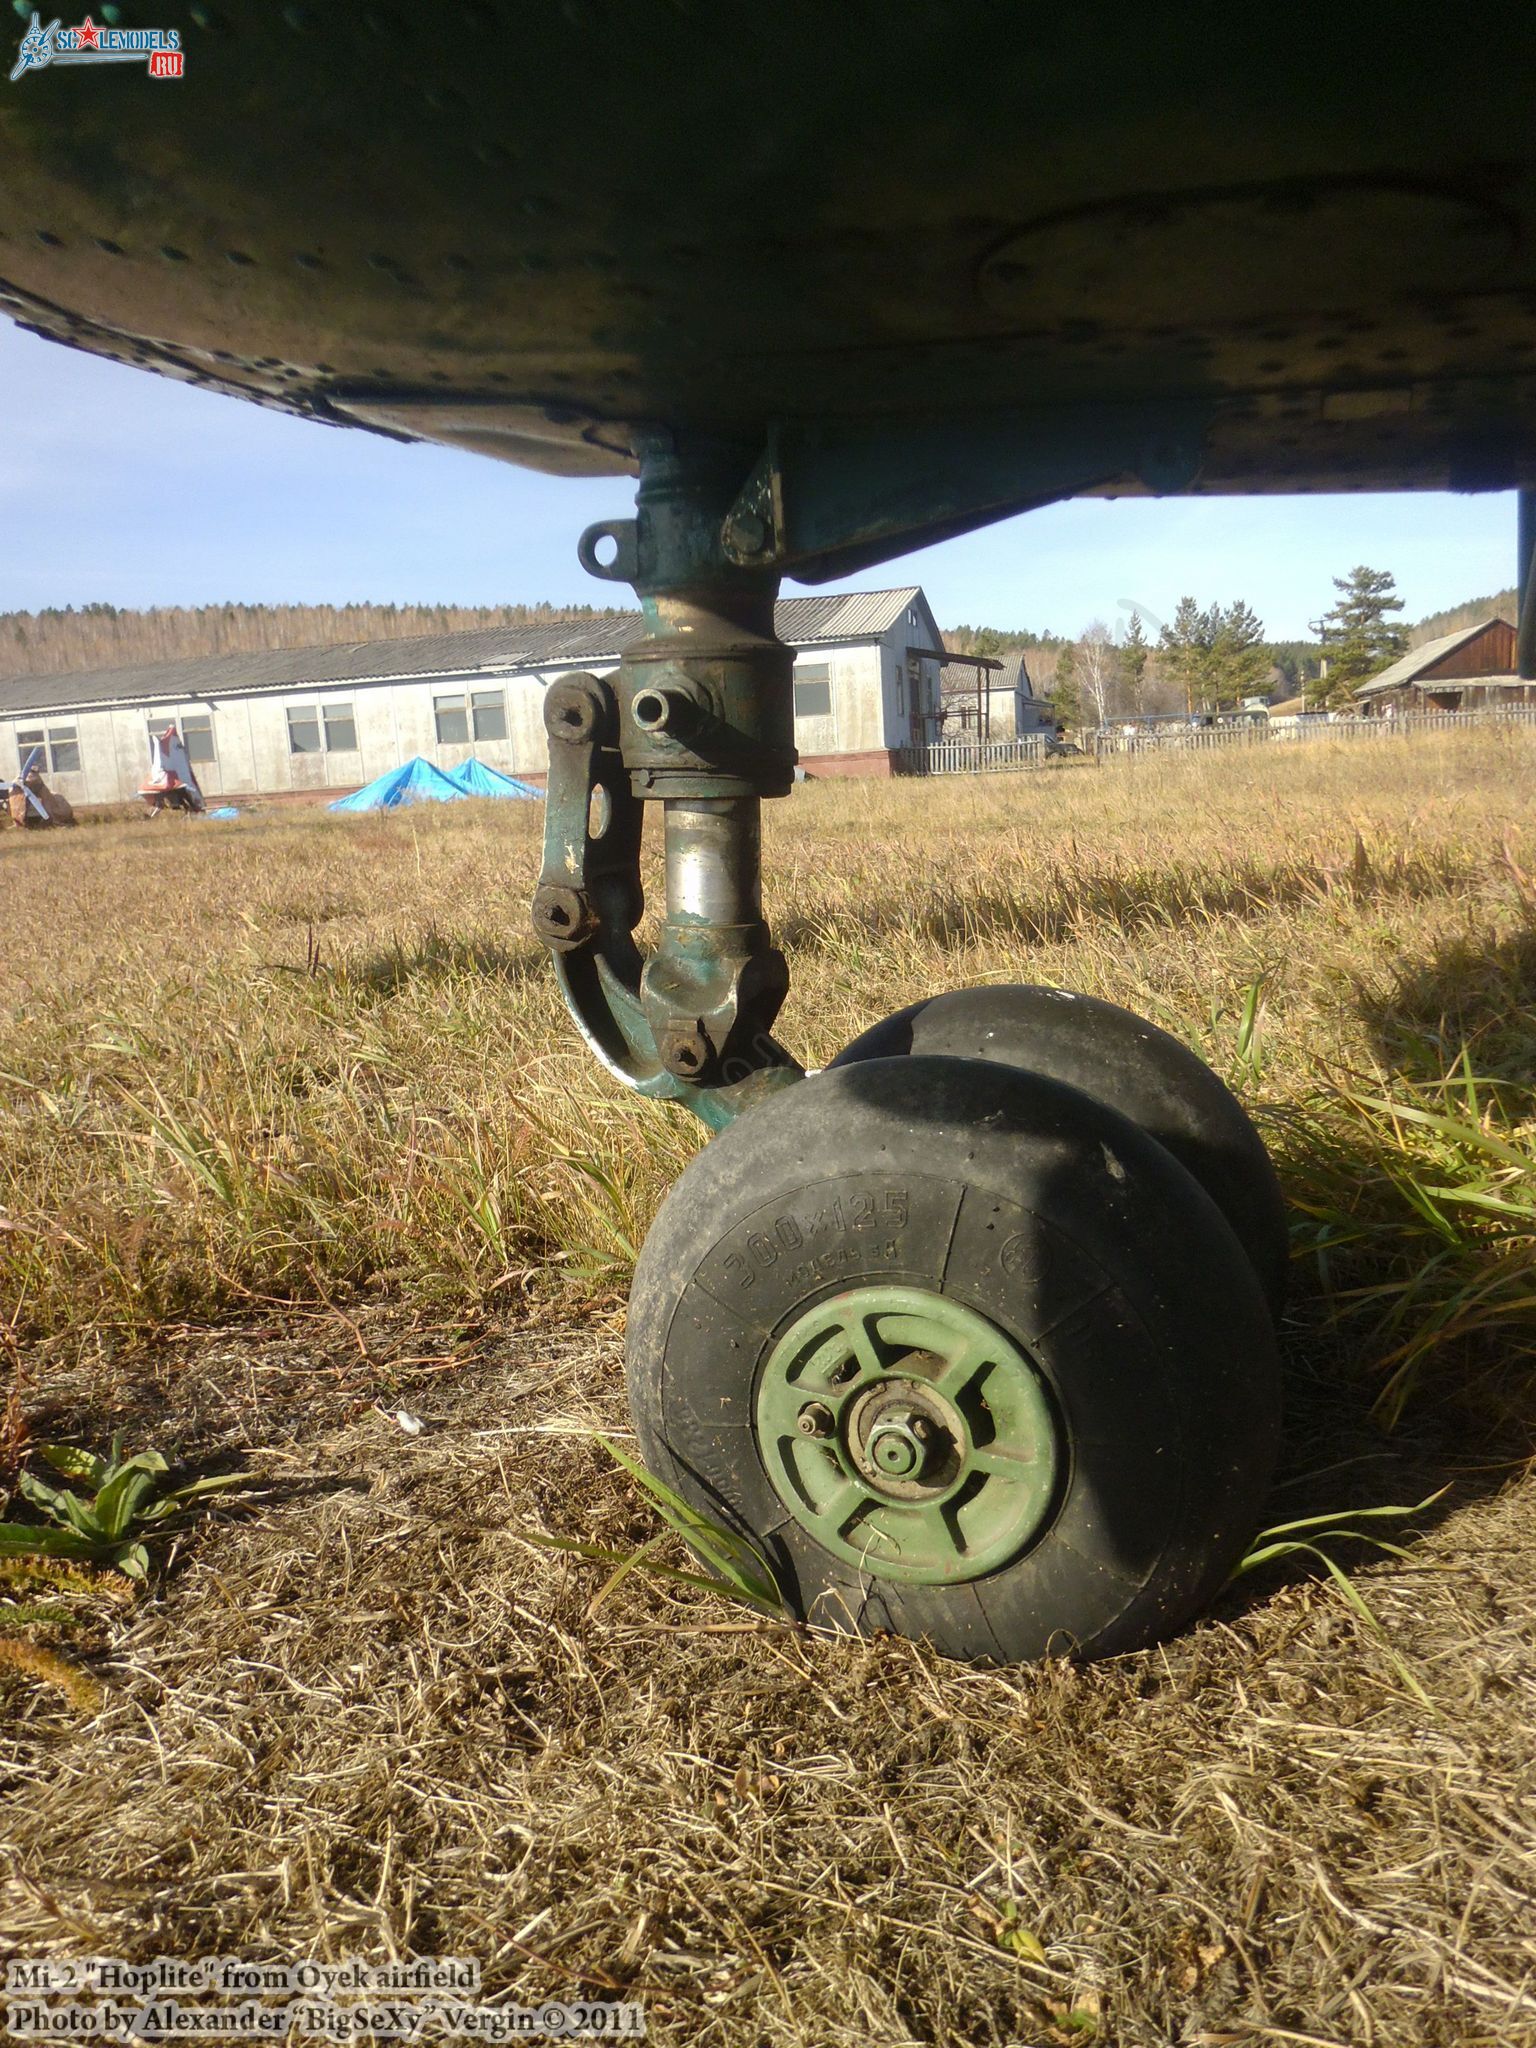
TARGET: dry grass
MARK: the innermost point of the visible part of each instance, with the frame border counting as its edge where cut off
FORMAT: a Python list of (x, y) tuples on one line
[(300, 1055), (292, 1139)]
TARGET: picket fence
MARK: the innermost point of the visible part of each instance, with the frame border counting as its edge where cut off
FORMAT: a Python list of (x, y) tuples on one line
[(979, 757)]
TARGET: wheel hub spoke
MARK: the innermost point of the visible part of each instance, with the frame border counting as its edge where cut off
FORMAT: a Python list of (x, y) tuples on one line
[(962, 1368), (908, 1434)]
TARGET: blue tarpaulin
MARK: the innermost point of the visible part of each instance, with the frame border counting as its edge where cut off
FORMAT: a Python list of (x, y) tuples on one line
[(418, 782), (475, 779)]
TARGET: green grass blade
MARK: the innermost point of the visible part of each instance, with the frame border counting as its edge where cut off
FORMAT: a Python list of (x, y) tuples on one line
[(1342, 1515), (73, 1463), (61, 1506), (119, 1501), (18, 1539), (599, 1554), (732, 1556)]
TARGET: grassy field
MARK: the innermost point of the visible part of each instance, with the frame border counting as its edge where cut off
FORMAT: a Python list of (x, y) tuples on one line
[(294, 1141)]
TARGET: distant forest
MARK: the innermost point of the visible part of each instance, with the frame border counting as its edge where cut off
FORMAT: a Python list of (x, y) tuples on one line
[(101, 636), (1501, 604)]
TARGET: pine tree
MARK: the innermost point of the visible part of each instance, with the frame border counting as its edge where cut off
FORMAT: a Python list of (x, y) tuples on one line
[(1237, 655), (1359, 639), (1216, 656), (1185, 649), (1134, 654)]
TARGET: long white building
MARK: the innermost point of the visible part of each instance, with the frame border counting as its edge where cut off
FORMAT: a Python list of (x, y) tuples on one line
[(323, 720)]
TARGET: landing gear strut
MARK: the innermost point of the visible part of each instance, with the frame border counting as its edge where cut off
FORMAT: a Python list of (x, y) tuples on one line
[(969, 1334), (700, 720)]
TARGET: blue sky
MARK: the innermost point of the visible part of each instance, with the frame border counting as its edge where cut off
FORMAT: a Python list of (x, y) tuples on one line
[(119, 486)]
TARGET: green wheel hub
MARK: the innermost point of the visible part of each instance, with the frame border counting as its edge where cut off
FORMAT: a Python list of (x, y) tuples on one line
[(907, 1434)]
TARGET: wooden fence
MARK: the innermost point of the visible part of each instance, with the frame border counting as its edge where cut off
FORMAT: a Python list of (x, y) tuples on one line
[(977, 756), (972, 756)]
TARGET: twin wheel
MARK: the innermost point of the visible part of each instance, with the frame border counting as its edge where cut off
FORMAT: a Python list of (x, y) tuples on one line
[(971, 1334)]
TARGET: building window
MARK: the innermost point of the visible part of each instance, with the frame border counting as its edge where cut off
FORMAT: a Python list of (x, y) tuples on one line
[(60, 745), (196, 731), (303, 729), (489, 708), (452, 721), (315, 729), (482, 716), (813, 689), (340, 729), (197, 736)]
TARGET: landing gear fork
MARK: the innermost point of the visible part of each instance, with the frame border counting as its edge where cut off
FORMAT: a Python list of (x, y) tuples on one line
[(699, 719)]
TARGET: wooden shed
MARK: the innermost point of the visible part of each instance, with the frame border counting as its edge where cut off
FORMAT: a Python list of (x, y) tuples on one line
[(988, 697), (1458, 672)]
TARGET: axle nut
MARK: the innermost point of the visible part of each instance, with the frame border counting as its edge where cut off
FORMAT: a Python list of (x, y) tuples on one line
[(898, 1448), (746, 534)]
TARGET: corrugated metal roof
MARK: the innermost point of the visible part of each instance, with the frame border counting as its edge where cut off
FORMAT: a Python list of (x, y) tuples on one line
[(801, 622), (287, 668), (855, 615), (1413, 664), (958, 678)]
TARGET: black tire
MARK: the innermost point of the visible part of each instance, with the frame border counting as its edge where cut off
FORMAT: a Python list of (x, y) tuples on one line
[(1119, 1059), (1081, 1242)]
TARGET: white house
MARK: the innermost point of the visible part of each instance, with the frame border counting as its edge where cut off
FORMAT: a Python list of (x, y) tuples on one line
[(321, 720)]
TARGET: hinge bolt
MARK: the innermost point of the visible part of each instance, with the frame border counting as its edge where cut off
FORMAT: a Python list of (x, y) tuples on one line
[(746, 533)]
